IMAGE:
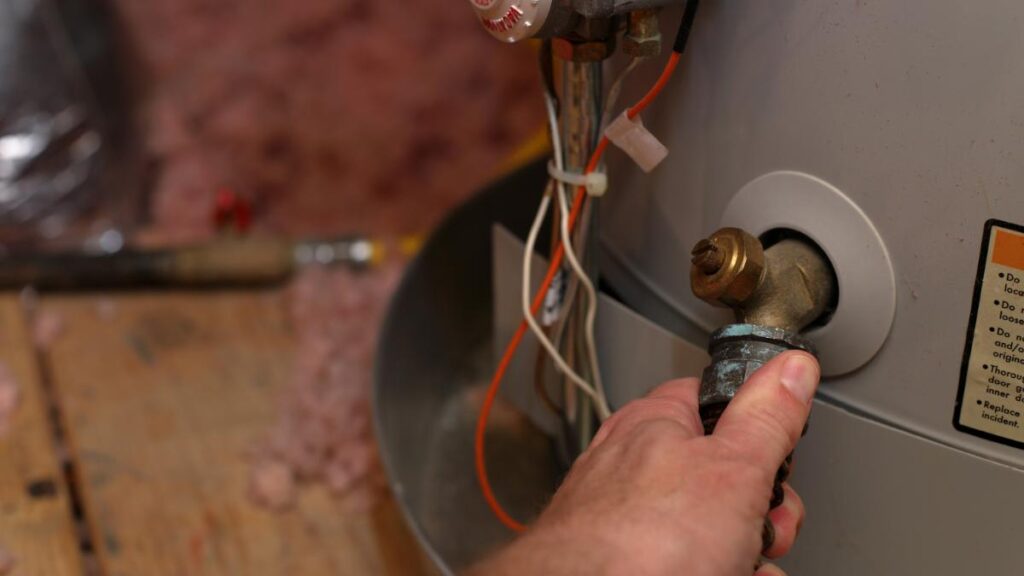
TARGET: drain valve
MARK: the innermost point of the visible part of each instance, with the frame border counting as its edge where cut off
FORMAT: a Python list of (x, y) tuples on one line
[(775, 294)]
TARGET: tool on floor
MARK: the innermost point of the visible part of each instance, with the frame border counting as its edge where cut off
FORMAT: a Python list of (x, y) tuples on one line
[(223, 262)]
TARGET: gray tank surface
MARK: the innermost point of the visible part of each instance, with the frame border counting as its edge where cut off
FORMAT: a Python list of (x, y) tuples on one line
[(908, 113), (890, 133)]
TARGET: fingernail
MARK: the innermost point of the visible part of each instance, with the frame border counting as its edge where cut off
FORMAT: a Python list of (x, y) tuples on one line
[(800, 377)]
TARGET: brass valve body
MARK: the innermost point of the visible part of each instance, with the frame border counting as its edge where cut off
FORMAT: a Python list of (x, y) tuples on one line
[(775, 294), (787, 286)]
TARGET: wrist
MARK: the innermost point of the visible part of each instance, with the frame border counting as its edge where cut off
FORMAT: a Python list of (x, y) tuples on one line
[(554, 547)]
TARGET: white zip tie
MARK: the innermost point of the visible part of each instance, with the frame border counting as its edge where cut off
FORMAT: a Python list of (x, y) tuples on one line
[(636, 141), (596, 183)]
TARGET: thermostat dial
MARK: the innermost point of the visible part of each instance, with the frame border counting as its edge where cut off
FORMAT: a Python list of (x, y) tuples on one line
[(512, 20)]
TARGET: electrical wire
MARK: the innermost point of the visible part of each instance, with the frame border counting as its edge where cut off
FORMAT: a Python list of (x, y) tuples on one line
[(600, 398), (563, 289), (547, 67), (510, 350), (616, 89), (553, 267), (563, 366), (603, 409), (517, 338), (540, 386), (580, 234)]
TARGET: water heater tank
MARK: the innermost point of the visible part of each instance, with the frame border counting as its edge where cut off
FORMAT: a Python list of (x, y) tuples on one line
[(889, 133), (892, 135)]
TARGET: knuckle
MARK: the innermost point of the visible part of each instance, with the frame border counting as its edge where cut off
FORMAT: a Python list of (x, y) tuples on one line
[(680, 389), (680, 413), (655, 445), (631, 408), (657, 436), (650, 409)]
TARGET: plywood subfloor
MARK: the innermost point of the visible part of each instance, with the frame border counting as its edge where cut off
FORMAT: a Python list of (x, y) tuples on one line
[(160, 397), (36, 524)]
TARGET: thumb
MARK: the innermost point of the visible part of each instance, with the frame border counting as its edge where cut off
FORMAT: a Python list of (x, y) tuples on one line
[(765, 419)]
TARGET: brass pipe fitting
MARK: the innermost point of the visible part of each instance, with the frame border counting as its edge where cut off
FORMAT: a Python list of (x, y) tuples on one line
[(775, 294), (787, 286), (572, 50), (728, 268), (643, 34)]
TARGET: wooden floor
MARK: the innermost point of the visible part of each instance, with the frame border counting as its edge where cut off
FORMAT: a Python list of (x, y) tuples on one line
[(158, 398)]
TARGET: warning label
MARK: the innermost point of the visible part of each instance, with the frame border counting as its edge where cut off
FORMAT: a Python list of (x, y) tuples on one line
[(990, 402)]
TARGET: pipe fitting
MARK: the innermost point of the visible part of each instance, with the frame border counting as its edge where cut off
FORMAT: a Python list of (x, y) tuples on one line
[(775, 294), (643, 34), (737, 351), (787, 286), (583, 51), (727, 268)]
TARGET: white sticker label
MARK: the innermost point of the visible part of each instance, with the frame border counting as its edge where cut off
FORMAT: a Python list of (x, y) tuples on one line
[(990, 401)]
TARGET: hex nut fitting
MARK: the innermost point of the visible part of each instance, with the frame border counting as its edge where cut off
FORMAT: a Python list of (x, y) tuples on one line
[(727, 268), (641, 47), (642, 38), (588, 51)]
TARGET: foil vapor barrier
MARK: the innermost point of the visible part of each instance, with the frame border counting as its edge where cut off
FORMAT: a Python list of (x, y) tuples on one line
[(51, 142)]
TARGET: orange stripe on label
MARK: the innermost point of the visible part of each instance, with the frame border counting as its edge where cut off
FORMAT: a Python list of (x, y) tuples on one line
[(1009, 249)]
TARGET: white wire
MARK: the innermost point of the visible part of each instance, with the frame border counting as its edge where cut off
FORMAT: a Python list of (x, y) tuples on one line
[(570, 256), (560, 363), (615, 90), (588, 287)]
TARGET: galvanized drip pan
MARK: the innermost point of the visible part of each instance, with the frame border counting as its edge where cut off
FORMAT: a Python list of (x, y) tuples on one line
[(433, 366)]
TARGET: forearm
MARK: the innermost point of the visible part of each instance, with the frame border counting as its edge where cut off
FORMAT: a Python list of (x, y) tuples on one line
[(550, 550)]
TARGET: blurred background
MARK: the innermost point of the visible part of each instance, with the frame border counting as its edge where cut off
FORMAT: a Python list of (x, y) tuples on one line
[(131, 128), (327, 115)]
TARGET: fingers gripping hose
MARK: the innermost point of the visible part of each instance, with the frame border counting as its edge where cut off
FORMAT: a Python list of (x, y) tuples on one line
[(737, 351), (775, 293)]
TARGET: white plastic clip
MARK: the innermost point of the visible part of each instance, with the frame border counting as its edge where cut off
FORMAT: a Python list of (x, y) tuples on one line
[(596, 183), (635, 140)]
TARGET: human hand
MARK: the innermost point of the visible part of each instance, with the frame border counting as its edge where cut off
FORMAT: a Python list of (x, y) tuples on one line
[(653, 495)]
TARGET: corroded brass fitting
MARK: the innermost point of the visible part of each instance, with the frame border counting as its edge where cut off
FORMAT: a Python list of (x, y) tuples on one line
[(643, 35), (572, 50), (787, 286), (728, 267), (775, 294)]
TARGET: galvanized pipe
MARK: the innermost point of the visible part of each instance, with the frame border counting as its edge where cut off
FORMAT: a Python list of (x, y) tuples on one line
[(580, 123)]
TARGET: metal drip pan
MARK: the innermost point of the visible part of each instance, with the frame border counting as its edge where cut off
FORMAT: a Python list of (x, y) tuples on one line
[(434, 363)]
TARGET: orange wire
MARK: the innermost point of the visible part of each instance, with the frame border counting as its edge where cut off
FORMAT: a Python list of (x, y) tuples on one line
[(538, 301)]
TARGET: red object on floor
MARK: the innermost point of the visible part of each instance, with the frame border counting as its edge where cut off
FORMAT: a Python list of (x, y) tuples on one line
[(232, 211)]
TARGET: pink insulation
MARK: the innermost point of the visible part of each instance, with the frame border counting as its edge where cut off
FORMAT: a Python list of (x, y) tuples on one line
[(47, 326), (332, 115), (10, 397), (272, 484), (324, 433)]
